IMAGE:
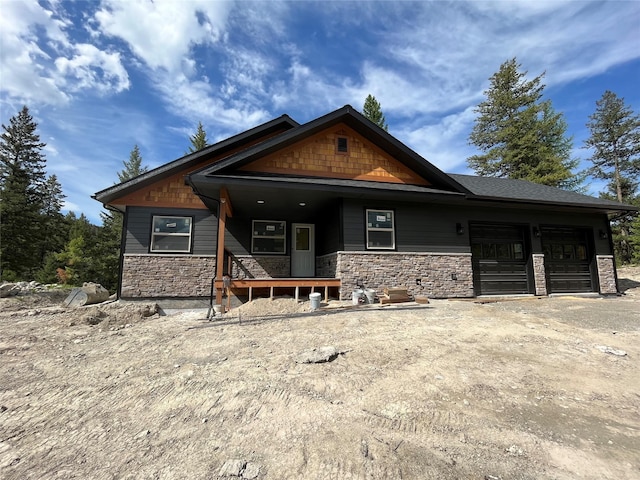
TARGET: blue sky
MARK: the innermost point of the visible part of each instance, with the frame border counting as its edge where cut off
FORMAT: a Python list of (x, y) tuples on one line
[(102, 76)]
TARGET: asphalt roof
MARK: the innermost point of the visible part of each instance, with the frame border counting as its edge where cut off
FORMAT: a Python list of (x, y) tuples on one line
[(474, 188), (110, 193), (492, 188)]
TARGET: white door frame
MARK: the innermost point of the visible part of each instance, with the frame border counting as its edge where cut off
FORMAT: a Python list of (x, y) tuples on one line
[(303, 262)]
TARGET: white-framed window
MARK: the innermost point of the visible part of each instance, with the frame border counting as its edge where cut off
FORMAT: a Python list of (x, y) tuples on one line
[(171, 234), (380, 230), (269, 236)]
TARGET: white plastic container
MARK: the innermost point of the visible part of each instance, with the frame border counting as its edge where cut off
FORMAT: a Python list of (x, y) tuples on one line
[(356, 295), (314, 299)]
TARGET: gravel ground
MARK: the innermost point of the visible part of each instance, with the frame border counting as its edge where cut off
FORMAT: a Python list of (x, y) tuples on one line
[(520, 389)]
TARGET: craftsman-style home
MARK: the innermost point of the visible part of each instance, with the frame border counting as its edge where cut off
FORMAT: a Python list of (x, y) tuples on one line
[(338, 203)]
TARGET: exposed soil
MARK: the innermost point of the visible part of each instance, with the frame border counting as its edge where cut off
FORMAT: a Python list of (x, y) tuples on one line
[(517, 389)]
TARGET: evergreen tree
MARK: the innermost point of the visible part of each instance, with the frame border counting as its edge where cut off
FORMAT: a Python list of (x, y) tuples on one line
[(106, 262), (132, 167), (521, 136), (615, 140), (78, 261), (23, 192), (52, 219), (198, 140), (373, 111), (634, 238), (615, 144)]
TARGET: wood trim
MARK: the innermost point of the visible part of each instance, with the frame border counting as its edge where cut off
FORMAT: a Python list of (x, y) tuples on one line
[(225, 202), (222, 218)]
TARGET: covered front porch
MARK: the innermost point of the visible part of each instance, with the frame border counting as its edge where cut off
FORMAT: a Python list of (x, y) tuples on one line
[(267, 243)]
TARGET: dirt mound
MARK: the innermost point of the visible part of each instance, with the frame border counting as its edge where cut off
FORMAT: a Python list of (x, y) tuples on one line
[(114, 315), (32, 300), (262, 307)]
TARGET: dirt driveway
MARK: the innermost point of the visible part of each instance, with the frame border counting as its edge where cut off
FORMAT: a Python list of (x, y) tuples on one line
[(452, 390)]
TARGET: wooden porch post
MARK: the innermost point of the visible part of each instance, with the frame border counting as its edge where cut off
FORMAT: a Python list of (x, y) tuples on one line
[(224, 212)]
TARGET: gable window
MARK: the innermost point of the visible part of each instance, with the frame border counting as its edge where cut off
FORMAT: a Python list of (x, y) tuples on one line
[(269, 236), (380, 230), (171, 234), (342, 145)]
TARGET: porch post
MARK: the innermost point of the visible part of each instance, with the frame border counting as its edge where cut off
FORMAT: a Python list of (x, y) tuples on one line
[(225, 210)]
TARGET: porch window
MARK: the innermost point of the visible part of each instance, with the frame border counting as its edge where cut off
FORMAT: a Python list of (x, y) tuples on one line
[(171, 234), (269, 236), (380, 230)]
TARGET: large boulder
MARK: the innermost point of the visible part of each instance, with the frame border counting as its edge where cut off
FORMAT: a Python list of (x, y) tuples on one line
[(88, 294), (9, 290)]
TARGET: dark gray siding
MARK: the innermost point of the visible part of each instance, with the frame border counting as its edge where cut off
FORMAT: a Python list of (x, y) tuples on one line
[(431, 227), (325, 219), (328, 231), (138, 229), (418, 228)]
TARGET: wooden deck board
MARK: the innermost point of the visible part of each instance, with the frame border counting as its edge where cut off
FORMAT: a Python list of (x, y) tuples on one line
[(273, 283)]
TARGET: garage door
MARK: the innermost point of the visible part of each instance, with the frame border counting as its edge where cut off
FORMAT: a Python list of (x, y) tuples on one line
[(568, 257), (500, 259)]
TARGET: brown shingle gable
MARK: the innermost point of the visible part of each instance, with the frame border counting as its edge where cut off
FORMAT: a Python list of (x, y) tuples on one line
[(318, 156)]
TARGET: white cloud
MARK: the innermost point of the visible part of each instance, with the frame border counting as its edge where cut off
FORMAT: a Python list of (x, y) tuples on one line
[(162, 33), (91, 68), (25, 77), (442, 142), (198, 100), (41, 64)]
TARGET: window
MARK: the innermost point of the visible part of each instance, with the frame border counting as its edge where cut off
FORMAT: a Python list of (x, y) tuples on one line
[(171, 234), (380, 230), (342, 146), (269, 236)]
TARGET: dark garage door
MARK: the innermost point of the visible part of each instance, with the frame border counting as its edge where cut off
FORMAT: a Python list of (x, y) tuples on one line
[(567, 258), (500, 259)]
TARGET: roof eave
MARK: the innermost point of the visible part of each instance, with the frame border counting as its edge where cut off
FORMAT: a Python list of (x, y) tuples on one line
[(352, 118), (109, 194), (604, 208)]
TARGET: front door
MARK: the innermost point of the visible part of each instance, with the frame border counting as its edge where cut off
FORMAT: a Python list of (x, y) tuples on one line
[(303, 251)]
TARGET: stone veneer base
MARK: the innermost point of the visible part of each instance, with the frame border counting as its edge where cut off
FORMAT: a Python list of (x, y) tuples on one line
[(539, 274), (606, 274), (440, 275), (163, 276)]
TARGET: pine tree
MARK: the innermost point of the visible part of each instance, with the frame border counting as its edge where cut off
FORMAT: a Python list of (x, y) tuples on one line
[(615, 142), (373, 111), (521, 136), (132, 167), (52, 219), (78, 261), (23, 186), (198, 140), (107, 240)]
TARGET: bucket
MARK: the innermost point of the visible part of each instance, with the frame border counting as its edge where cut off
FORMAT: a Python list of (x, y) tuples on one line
[(370, 294), (356, 295), (314, 298)]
